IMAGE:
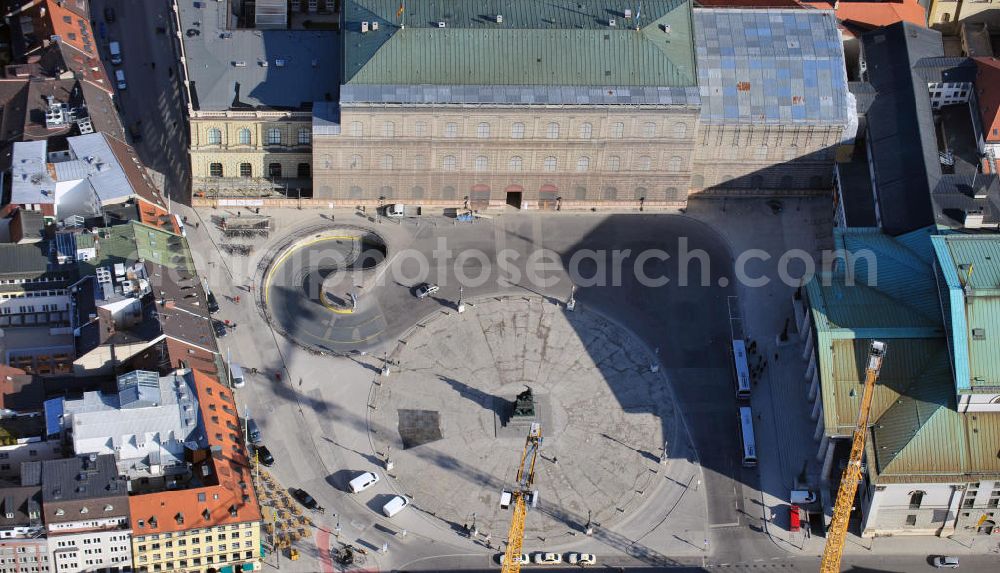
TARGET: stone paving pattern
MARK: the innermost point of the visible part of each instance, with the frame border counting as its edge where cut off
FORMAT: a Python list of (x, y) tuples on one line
[(604, 415)]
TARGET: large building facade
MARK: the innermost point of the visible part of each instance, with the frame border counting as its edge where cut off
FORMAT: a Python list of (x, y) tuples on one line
[(440, 106)]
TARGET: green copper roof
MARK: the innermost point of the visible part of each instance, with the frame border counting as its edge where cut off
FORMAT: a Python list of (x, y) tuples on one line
[(135, 241), (551, 43), (970, 269)]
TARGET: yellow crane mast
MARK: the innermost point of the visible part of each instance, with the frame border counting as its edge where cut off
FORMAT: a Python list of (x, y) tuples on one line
[(522, 492), (852, 473)]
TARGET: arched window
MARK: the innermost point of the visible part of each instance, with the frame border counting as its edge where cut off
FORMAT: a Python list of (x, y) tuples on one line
[(552, 131), (420, 129), (517, 131), (645, 163), (274, 170), (244, 137), (387, 192), (419, 162), (449, 163), (617, 130), (388, 129), (246, 170), (614, 163), (214, 136), (357, 131), (583, 164), (580, 193), (386, 162), (483, 130), (680, 130), (675, 164), (649, 129), (482, 163), (448, 192), (550, 164), (305, 136), (610, 194), (215, 170), (356, 192), (916, 498), (273, 136), (417, 192), (697, 181), (586, 130), (355, 162), (516, 163), (672, 194), (451, 130), (641, 193)]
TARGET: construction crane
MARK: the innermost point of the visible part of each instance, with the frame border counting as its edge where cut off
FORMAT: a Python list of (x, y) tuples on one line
[(852, 473), (519, 498)]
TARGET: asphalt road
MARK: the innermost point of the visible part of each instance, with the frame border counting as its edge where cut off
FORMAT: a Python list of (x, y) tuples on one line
[(152, 105)]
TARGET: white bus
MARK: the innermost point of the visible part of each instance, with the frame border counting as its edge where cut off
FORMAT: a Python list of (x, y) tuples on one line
[(746, 433), (742, 370)]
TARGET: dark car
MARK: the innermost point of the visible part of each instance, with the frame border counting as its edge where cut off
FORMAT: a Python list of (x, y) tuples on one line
[(213, 303), (109, 15), (220, 328), (264, 456), (305, 499)]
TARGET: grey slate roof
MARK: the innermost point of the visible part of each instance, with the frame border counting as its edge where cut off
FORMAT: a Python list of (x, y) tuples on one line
[(958, 194), (900, 125), (23, 504), (771, 66), (81, 478), (864, 95), (946, 69), (26, 260), (310, 70)]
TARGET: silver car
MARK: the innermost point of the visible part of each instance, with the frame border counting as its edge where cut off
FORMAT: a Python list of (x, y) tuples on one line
[(427, 289), (945, 562)]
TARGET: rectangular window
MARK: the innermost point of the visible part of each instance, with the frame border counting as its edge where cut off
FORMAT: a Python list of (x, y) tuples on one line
[(911, 520)]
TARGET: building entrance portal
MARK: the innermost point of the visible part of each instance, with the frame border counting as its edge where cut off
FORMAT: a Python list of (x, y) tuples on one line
[(514, 198)]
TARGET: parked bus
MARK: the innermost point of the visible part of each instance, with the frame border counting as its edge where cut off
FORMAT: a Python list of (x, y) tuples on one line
[(746, 433), (742, 370)]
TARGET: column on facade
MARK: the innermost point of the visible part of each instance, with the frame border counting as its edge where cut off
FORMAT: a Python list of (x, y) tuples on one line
[(825, 454), (811, 368), (954, 505), (806, 325), (807, 348), (817, 409), (814, 386)]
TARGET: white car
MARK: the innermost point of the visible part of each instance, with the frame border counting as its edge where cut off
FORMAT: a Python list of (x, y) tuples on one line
[(945, 562), (363, 482), (427, 289), (548, 558), (525, 560), (581, 559), (395, 505)]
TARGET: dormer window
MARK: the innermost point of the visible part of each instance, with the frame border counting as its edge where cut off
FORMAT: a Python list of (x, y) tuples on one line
[(60, 511)]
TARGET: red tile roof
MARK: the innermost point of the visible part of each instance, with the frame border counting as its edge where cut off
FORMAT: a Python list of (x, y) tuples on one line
[(229, 497), (988, 84), (875, 14)]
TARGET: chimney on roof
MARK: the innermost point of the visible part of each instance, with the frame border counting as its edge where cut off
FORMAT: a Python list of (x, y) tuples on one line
[(232, 511)]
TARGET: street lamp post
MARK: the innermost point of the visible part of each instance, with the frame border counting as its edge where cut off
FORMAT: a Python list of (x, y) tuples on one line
[(571, 303)]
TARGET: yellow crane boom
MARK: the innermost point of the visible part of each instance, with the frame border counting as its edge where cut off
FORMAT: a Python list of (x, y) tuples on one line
[(852, 473), (525, 480)]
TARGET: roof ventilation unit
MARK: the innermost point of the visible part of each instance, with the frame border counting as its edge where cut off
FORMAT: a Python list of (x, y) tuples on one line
[(364, 27), (374, 26), (628, 14), (441, 24), (612, 23), (499, 18)]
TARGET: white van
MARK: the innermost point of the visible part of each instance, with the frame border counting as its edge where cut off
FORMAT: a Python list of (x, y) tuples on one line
[(120, 76), (116, 53), (363, 482), (395, 505), (236, 375)]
